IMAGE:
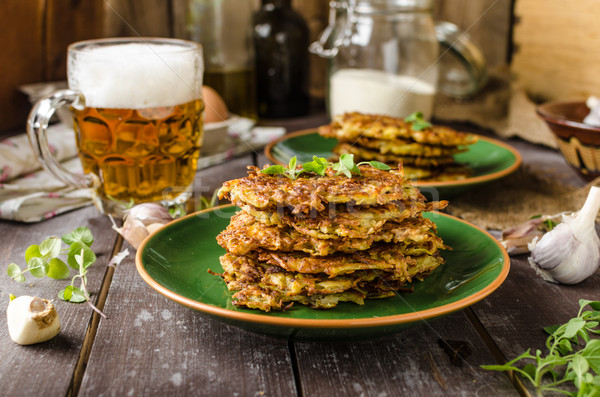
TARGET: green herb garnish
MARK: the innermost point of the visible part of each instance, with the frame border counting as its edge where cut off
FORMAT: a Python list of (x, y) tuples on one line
[(43, 260), (318, 165), (548, 224), (417, 122), (573, 357)]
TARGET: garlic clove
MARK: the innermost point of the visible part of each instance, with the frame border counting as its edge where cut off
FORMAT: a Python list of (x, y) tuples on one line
[(134, 231), (149, 213), (141, 220), (32, 320)]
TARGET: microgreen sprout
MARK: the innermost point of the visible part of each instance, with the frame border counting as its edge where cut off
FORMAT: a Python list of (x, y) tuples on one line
[(318, 165), (417, 121), (569, 361), (43, 260)]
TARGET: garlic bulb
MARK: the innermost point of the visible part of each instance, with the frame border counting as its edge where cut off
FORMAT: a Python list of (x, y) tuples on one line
[(141, 220), (570, 252), (32, 320)]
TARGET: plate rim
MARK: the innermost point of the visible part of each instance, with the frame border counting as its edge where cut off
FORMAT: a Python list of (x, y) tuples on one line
[(367, 322), (455, 183)]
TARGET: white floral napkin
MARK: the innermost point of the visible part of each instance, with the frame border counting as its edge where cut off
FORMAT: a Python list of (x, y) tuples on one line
[(30, 194)]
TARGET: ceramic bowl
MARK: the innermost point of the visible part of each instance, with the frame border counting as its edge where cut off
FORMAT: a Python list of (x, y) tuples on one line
[(221, 136), (579, 143)]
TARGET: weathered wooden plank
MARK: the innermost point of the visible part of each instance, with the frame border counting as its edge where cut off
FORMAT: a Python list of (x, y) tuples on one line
[(152, 346), (517, 312), (68, 21), (21, 50), (555, 55), (151, 18), (46, 368), (186, 352), (412, 362)]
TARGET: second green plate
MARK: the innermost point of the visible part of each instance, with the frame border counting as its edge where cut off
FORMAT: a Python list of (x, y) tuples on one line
[(488, 158)]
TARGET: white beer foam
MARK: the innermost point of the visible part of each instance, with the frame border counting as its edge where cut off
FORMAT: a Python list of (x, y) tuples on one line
[(136, 75)]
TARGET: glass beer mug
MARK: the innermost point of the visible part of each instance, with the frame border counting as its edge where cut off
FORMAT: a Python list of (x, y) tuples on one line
[(137, 109)]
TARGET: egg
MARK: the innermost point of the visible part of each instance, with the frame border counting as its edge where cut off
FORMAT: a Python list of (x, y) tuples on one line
[(215, 109)]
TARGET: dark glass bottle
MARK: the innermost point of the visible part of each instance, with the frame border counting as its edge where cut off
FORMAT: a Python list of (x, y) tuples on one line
[(282, 67)]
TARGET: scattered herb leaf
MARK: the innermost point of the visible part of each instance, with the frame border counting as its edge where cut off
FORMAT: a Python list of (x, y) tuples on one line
[(42, 260), (573, 357), (82, 234), (550, 224), (318, 165), (417, 121)]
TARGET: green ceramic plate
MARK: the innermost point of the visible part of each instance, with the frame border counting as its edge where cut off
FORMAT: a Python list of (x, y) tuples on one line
[(175, 261), (488, 158)]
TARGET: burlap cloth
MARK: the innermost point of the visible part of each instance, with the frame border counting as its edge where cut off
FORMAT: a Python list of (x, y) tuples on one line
[(505, 108), (515, 199), (502, 106)]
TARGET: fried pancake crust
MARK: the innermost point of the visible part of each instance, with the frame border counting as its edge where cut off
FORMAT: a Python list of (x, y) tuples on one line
[(413, 236), (407, 148), (381, 257), (342, 221), (350, 126), (373, 187), (362, 153), (266, 287)]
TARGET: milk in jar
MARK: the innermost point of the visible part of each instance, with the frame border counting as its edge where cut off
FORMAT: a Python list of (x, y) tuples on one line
[(383, 57), (379, 92)]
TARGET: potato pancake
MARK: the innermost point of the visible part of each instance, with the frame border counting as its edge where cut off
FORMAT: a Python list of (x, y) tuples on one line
[(407, 148), (351, 126), (389, 158), (269, 287), (373, 187), (319, 238), (343, 221), (244, 234), (380, 257)]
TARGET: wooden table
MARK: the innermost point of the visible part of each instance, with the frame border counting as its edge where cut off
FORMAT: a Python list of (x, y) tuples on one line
[(150, 345)]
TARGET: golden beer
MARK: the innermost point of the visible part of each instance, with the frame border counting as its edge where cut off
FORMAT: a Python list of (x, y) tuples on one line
[(140, 155), (138, 118)]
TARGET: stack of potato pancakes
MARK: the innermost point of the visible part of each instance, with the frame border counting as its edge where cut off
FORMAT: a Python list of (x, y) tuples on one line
[(426, 151), (322, 239)]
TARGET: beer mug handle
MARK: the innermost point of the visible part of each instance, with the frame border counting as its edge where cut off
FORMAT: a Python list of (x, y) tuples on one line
[(37, 126)]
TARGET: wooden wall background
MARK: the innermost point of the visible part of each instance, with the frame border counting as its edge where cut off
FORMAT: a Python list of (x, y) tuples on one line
[(35, 35)]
